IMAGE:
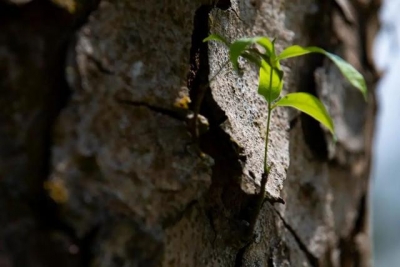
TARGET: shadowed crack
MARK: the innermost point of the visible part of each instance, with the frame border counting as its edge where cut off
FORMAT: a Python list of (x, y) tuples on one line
[(350, 254), (35, 37), (226, 201), (240, 255), (164, 111), (311, 258), (100, 66), (320, 35)]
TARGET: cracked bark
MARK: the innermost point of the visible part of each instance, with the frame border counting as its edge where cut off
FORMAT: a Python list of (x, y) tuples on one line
[(97, 165), (311, 258)]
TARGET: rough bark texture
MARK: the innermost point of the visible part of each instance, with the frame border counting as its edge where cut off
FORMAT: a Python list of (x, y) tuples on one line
[(97, 166)]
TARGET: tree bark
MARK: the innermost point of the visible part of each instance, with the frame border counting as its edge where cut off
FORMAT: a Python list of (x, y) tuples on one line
[(97, 163)]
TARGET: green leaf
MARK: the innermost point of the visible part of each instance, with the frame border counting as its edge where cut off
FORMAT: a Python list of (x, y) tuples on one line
[(238, 47), (348, 71), (252, 57), (267, 45), (308, 104), (216, 37), (270, 90), (296, 50)]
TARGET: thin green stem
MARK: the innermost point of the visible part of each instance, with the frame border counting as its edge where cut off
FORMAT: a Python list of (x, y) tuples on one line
[(266, 169), (266, 140)]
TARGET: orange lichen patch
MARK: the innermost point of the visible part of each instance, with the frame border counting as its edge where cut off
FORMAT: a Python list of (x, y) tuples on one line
[(182, 102), (57, 191), (69, 5)]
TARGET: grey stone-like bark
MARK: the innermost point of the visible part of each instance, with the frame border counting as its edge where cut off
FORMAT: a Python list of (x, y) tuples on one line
[(97, 164)]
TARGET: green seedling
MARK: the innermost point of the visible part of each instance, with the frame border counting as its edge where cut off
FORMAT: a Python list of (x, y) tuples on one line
[(270, 81)]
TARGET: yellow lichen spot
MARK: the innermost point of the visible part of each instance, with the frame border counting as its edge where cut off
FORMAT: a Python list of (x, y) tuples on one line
[(69, 5), (57, 190), (182, 102)]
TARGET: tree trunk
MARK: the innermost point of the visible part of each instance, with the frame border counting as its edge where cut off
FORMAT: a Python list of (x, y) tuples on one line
[(97, 164)]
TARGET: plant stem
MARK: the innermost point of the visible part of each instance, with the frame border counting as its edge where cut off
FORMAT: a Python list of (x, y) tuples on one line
[(266, 169), (264, 176), (266, 140)]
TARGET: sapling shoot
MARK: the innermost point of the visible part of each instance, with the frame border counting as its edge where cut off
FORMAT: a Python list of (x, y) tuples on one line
[(270, 81)]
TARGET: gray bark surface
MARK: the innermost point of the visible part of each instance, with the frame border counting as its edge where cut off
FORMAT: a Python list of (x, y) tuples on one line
[(97, 165)]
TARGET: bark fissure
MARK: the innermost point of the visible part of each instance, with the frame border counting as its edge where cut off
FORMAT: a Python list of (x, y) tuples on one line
[(100, 66), (311, 258), (364, 16), (164, 111), (240, 255), (225, 195), (37, 36), (49, 211), (350, 254), (314, 135)]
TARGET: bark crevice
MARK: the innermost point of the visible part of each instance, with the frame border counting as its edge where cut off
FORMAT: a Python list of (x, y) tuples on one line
[(311, 258), (240, 255), (164, 111), (350, 254), (229, 209), (314, 135), (34, 39)]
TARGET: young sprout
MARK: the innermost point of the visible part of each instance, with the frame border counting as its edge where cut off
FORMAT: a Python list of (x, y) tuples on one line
[(270, 81)]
